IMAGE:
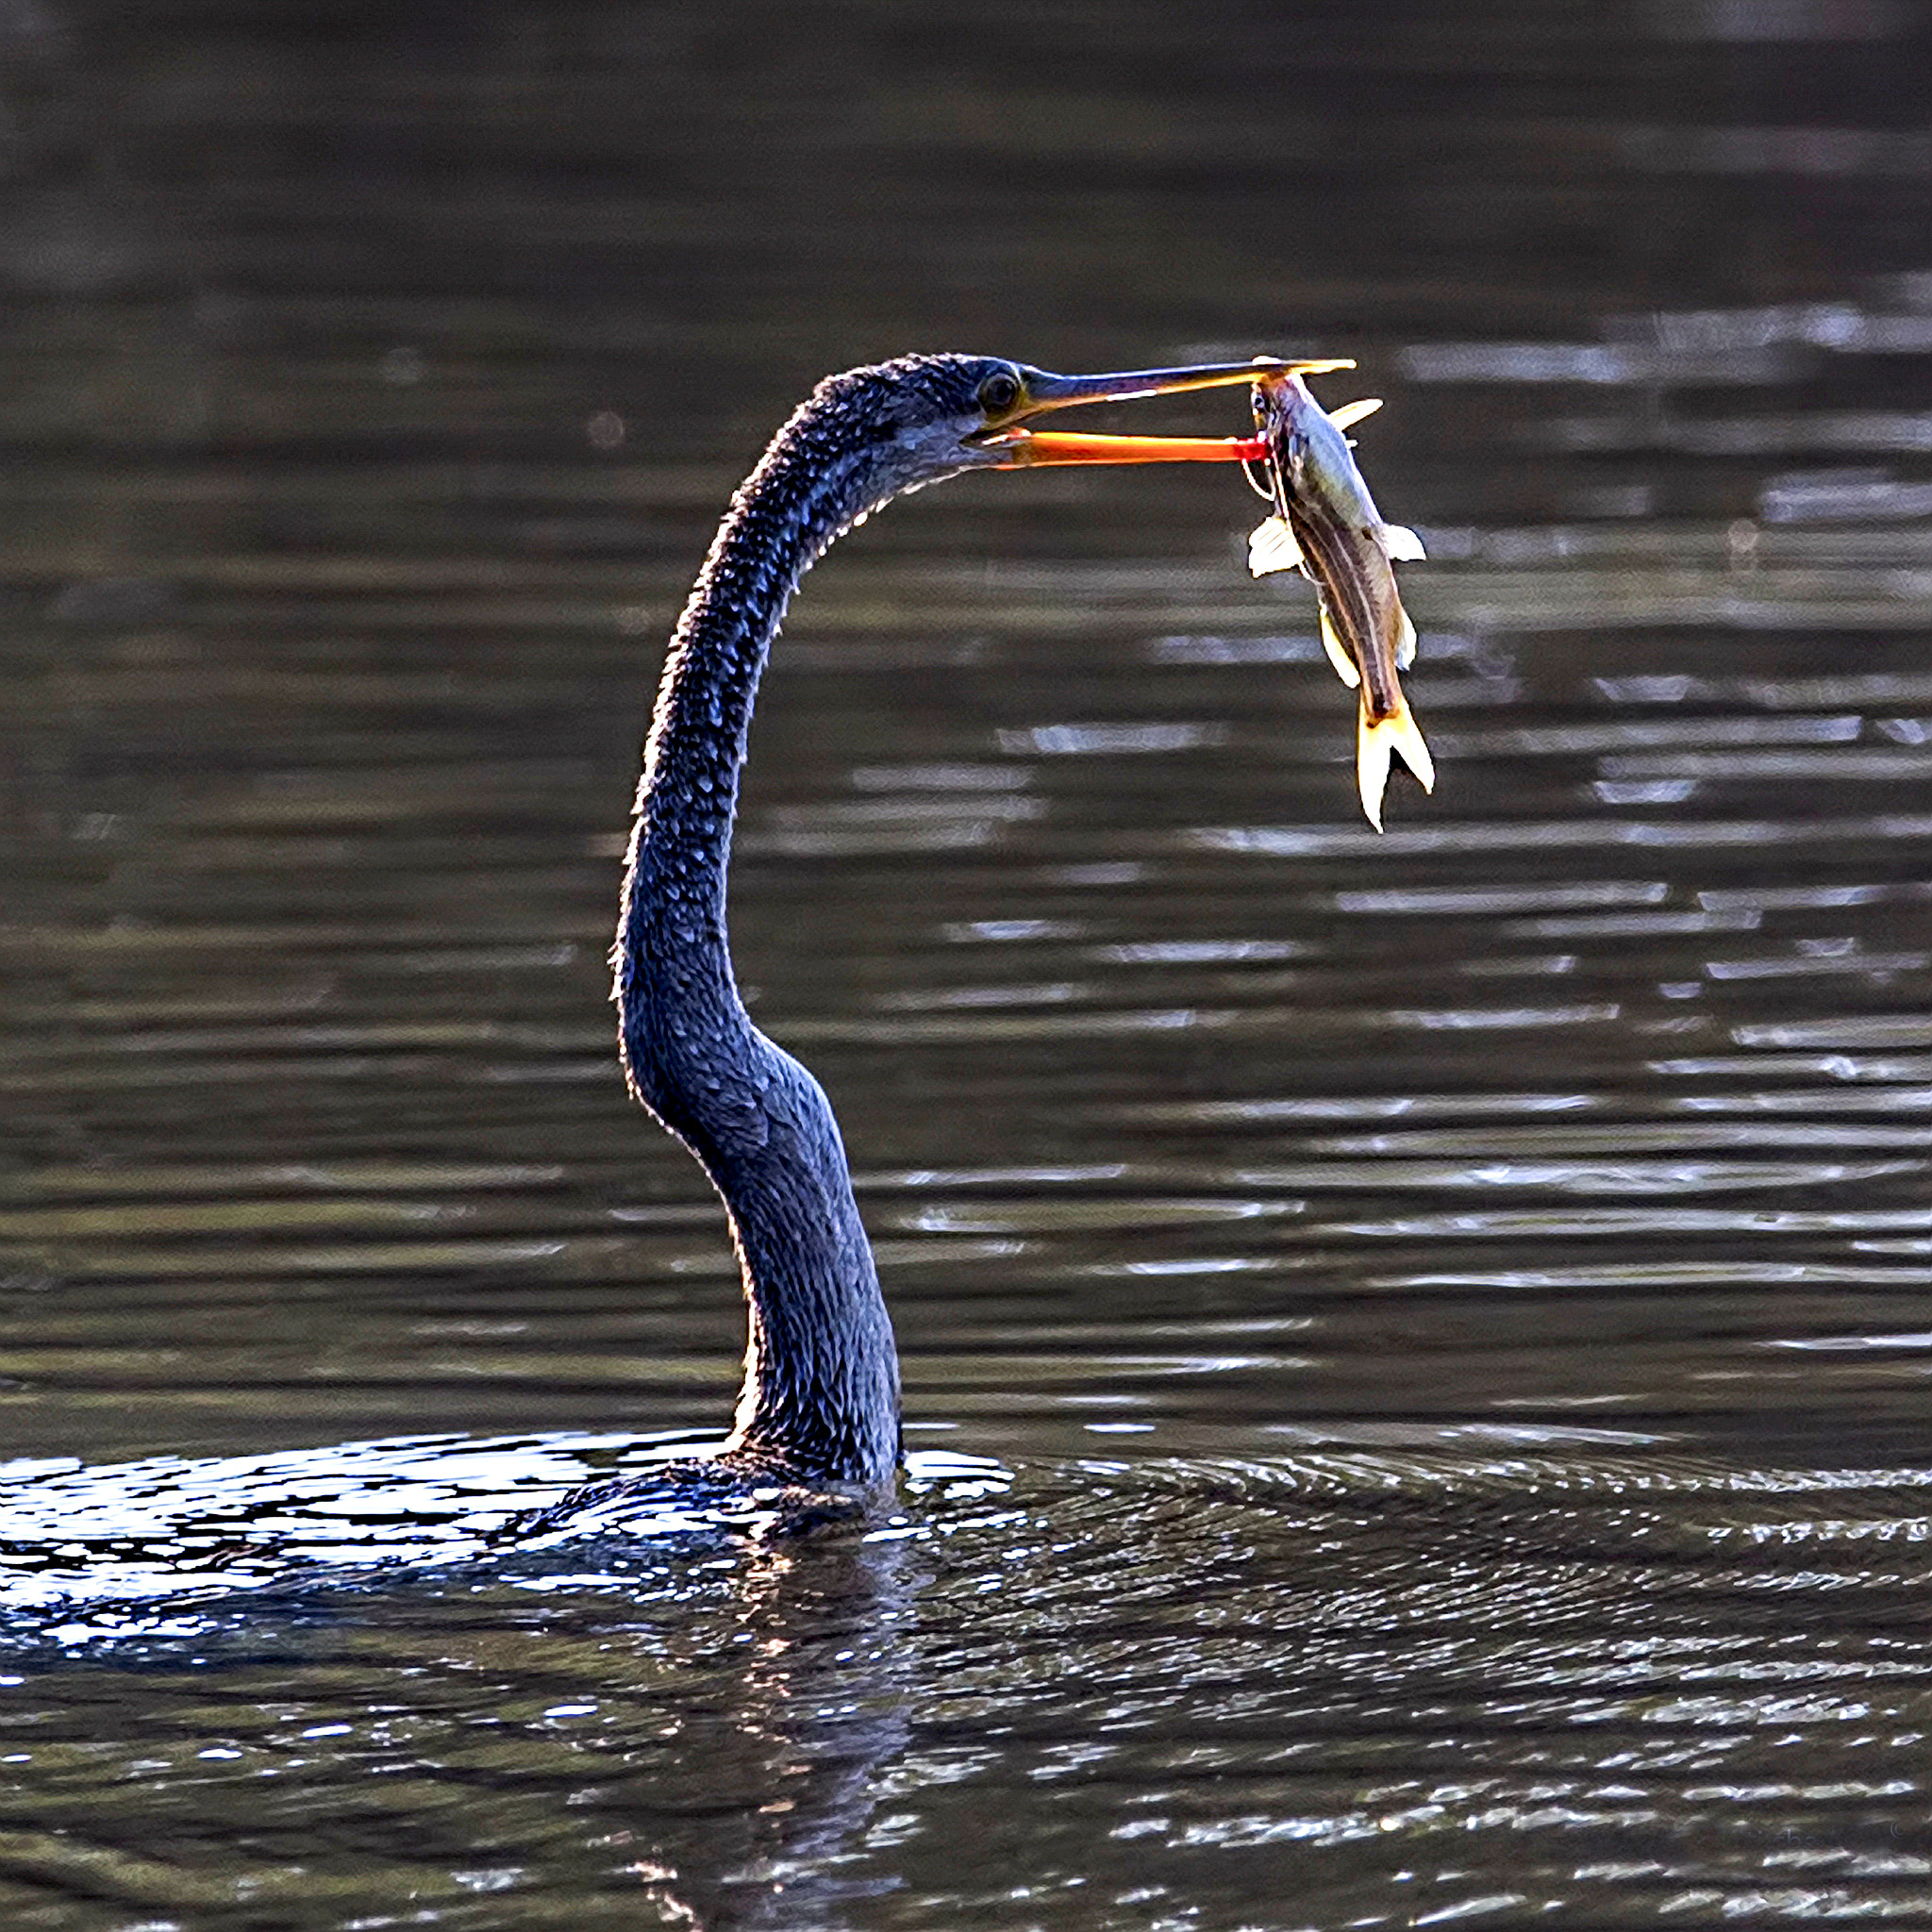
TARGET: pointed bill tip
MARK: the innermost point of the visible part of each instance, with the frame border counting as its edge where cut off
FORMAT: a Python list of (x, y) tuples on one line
[(1266, 366)]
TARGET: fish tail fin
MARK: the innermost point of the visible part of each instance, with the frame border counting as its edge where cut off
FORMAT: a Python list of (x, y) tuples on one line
[(1377, 741), (1338, 652)]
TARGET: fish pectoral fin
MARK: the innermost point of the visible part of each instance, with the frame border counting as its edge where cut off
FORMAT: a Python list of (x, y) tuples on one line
[(1401, 545), (1376, 742), (1338, 652), (1351, 413), (1273, 547), (1405, 645)]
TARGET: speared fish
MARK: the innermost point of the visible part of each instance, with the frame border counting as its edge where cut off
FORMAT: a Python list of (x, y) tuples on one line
[(1327, 525)]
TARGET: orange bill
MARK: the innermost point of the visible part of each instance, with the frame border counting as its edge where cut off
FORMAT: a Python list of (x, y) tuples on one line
[(1020, 446), (1023, 448)]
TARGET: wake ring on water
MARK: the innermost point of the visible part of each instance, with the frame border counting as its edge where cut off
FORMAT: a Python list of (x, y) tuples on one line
[(171, 1549)]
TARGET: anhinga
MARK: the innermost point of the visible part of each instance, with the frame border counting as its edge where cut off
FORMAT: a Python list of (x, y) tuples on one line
[(821, 1396)]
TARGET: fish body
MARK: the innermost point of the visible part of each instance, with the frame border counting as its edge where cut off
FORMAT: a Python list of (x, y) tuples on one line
[(1325, 523)]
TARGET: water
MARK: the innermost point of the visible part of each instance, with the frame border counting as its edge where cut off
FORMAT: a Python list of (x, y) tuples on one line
[(1416, 1349)]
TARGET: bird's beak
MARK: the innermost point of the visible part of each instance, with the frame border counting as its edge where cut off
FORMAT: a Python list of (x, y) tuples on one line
[(1015, 446)]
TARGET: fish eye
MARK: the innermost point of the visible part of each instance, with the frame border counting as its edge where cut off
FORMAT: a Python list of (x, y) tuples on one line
[(1000, 391)]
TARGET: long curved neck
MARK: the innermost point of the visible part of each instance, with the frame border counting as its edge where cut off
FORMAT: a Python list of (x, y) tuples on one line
[(820, 1393)]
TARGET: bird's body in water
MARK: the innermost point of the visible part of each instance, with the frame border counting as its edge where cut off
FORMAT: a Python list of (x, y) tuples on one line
[(819, 1404)]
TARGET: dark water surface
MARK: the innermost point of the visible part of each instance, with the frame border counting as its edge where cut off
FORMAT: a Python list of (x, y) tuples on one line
[(1418, 1356)]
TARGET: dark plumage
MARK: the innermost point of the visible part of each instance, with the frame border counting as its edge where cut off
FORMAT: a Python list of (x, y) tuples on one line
[(820, 1397), (822, 1376)]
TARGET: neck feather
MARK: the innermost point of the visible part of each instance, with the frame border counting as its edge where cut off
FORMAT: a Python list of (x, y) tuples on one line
[(820, 1393)]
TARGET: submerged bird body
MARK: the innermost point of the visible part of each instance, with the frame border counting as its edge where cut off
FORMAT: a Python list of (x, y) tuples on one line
[(1325, 523), (820, 1402)]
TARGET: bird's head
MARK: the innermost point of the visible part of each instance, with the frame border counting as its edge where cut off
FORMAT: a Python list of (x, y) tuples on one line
[(926, 417)]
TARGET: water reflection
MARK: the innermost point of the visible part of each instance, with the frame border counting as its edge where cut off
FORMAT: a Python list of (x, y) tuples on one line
[(808, 1730), (1614, 1658), (721, 1769)]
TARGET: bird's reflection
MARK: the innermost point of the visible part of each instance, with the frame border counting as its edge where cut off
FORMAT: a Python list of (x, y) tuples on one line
[(787, 1749)]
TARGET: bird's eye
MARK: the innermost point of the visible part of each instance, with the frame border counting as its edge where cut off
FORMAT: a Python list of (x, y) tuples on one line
[(999, 392)]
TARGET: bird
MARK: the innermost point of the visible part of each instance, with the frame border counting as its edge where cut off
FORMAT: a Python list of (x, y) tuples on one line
[(819, 1408)]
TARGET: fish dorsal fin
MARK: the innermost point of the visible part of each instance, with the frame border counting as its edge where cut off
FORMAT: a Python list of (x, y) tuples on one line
[(1405, 645), (1273, 547), (1401, 545), (1338, 652), (1351, 413)]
